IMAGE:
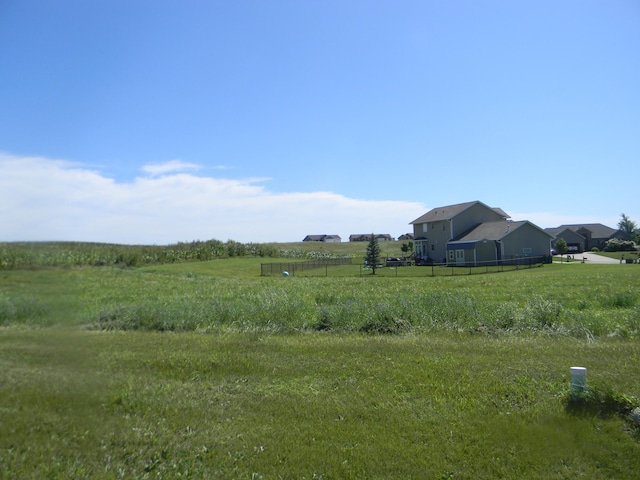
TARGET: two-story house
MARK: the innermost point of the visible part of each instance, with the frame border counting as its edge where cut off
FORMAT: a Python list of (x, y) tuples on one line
[(473, 233)]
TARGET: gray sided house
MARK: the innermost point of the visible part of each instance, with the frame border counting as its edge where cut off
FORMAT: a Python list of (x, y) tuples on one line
[(365, 237), (322, 238), (473, 233), (575, 241), (581, 237)]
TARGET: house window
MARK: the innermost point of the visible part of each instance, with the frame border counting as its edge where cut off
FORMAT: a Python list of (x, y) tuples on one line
[(424, 228), (443, 226), (526, 251), (433, 247)]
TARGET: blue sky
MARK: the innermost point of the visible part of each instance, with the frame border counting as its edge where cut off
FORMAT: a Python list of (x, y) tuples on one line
[(164, 121)]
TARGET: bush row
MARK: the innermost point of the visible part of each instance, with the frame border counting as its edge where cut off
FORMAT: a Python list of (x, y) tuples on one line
[(617, 245), (41, 254)]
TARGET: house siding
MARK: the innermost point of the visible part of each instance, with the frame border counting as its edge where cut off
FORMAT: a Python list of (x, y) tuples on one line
[(486, 251), (433, 242), (527, 236)]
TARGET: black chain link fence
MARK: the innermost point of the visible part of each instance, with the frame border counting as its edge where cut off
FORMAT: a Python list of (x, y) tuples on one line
[(353, 267)]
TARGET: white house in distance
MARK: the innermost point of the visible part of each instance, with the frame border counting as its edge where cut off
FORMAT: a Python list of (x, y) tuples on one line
[(473, 233)]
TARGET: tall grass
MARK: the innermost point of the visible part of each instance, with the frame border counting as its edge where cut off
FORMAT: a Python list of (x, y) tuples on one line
[(16, 255), (230, 296), (22, 309)]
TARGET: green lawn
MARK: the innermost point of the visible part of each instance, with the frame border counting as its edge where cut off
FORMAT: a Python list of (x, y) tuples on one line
[(619, 255), (208, 370), (149, 405)]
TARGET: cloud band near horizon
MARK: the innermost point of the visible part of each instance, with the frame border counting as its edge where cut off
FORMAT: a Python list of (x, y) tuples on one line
[(46, 200)]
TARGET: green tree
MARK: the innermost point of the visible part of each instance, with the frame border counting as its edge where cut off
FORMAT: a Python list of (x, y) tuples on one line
[(373, 253), (407, 247), (629, 226), (561, 247)]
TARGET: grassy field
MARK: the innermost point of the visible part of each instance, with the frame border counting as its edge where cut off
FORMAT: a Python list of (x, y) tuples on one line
[(208, 370)]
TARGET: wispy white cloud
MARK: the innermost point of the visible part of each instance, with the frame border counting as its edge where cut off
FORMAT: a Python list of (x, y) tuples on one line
[(44, 199), (169, 167)]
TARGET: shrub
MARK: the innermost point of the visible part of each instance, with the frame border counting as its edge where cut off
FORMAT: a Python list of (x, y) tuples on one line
[(595, 249), (21, 309), (602, 401), (617, 245), (542, 313), (619, 300), (381, 320)]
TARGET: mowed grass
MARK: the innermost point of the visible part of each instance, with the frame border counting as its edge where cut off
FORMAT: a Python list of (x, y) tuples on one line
[(150, 405), (207, 370)]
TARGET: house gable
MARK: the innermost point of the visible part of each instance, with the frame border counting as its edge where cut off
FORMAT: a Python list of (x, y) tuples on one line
[(575, 241), (451, 211)]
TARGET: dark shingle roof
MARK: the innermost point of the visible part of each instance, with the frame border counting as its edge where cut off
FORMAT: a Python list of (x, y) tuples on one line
[(495, 230), (491, 231), (555, 231), (443, 213), (500, 212), (597, 230), (450, 211)]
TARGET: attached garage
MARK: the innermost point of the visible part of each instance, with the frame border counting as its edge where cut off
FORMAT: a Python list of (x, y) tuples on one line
[(499, 241)]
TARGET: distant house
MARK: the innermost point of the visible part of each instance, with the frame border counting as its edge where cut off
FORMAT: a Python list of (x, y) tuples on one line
[(406, 236), (575, 241), (322, 238), (365, 237), (581, 237), (473, 233)]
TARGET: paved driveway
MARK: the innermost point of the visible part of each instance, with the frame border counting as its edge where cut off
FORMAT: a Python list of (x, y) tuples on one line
[(595, 258)]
